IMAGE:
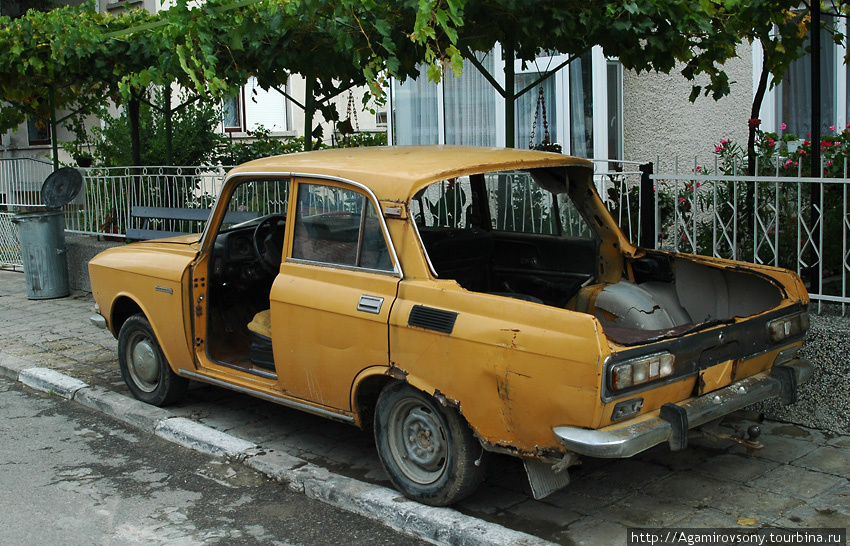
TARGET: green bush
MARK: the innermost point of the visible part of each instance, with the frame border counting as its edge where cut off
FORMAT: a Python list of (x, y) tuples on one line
[(195, 138)]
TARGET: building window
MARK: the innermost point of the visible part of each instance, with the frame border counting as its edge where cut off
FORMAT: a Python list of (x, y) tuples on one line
[(38, 131), (266, 107), (581, 106), (470, 106), (532, 109), (794, 96), (790, 102), (415, 110), (615, 110), (469, 110), (233, 113)]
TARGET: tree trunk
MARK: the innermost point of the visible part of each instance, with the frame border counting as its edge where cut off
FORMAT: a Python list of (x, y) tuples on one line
[(133, 107)]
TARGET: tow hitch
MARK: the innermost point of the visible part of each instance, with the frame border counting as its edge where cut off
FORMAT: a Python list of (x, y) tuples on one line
[(740, 427)]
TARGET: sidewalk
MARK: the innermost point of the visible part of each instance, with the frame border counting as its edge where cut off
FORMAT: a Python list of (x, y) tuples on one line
[(800, 480)]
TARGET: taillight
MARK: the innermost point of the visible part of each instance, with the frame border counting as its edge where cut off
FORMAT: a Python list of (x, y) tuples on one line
[(642, 370), (783, 328)]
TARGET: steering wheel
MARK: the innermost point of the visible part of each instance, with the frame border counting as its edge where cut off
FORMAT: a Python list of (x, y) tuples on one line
[(268, 242)]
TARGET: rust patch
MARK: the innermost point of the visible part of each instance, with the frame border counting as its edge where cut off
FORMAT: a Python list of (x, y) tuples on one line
[(515, 331), (396, 373), (445, 400)]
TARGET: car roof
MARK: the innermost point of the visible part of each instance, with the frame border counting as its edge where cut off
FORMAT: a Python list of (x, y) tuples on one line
[(396, 173)]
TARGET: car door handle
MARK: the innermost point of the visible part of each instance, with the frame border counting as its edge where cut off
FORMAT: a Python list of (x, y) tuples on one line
[(370, 304)]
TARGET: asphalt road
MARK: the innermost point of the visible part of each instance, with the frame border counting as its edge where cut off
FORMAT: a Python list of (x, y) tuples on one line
[(72, 476)]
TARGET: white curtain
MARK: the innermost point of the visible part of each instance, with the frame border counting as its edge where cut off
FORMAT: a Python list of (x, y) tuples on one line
[(526, 105), (795, 99), (470, 106), (415, 111), (581, 107)]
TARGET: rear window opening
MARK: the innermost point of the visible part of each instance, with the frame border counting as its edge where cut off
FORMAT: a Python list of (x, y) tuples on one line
[(520, 234)]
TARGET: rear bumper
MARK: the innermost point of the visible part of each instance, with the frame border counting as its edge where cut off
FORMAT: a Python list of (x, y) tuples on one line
[(673, 421)]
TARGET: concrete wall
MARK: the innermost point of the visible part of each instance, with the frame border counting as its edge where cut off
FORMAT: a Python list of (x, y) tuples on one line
[(81, 249), (659, 120)]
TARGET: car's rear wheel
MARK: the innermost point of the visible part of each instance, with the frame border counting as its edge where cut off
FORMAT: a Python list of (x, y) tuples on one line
[(144, 366), (428, 451)]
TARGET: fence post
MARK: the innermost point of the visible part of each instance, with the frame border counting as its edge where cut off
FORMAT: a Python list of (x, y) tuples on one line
[(648, 237)]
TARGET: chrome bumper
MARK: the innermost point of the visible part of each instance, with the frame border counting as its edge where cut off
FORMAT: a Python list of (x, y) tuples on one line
[(673, 421), (98, 320)]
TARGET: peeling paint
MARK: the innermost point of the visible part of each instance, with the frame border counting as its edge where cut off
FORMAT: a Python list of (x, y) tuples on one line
[(396, 373), (446, 401)]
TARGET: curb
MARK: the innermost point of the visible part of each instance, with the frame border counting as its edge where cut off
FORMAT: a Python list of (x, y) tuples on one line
[(444, 526)]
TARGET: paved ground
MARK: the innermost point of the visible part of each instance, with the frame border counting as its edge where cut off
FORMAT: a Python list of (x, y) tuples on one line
[(800, 480)]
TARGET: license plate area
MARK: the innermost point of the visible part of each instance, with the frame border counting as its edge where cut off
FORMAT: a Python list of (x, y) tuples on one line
[(715, 377)]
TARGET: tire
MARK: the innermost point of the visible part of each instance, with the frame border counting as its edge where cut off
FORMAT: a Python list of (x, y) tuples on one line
[(144, 366), (428, 451)]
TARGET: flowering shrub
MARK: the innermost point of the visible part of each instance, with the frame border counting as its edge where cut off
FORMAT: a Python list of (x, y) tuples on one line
[(766, 214)]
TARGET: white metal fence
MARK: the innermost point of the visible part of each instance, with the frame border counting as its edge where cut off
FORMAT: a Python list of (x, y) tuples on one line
[(20, 189), (796, 222), (781, 219), (21, 179), (104, 206), (111, 194)]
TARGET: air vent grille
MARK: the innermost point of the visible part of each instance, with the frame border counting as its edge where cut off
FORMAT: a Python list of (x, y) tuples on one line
[(432, 319)]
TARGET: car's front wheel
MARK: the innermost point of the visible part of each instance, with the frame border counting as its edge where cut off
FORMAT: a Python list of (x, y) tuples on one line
[(428, 451), (143, 364)]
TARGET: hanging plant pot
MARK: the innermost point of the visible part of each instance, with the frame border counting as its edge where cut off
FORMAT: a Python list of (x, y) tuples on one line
[(84, 161), (545, 145)]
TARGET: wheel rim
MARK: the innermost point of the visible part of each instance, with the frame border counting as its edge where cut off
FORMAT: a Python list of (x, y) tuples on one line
[(417, 441), (143, 362)]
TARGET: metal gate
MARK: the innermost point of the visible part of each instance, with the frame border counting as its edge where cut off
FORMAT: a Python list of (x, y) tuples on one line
[(20, 186)]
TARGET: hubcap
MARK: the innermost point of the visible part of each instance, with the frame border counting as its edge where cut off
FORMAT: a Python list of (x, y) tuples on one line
[(418, 441), (143, 363)]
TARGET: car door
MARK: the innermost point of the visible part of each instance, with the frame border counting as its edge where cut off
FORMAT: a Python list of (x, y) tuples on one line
[(331, 302)]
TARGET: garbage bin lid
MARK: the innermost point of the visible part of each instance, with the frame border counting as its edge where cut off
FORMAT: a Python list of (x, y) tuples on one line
[(61, 187)]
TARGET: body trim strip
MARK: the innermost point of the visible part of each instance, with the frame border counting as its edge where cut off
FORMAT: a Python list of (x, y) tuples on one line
[(269, 397)]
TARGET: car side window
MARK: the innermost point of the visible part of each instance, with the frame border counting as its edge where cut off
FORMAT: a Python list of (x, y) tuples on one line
[(519, 205), (339, 226), (255, 198), (444, 204)]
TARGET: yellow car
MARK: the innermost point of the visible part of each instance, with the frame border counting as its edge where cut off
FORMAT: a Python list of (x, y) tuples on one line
[(456, 300)]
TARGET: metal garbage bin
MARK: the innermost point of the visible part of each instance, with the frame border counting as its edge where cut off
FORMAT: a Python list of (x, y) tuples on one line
[(42, 237)]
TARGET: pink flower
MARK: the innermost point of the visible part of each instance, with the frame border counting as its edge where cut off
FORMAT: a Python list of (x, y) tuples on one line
[(771, 142), (783, 126), (682, 200), (832, 128), (725, 141), (717, 149)]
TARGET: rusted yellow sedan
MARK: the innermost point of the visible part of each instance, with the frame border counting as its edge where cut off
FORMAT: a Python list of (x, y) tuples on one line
[(458, 301)]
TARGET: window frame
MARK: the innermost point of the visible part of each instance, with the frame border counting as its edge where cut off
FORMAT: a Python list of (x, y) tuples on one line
[(300, 180), (239, 108), (38, 141), (771, 105), (600, 128)]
